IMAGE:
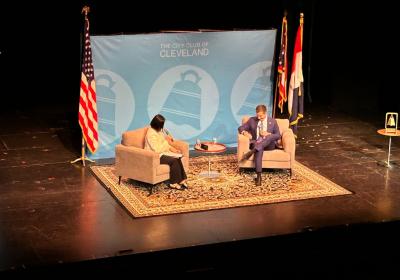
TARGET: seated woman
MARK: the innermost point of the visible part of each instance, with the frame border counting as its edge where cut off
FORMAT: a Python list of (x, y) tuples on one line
[(156, 141)]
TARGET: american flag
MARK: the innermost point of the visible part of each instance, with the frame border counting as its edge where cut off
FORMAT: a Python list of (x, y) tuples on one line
[(282, 66), (87, 101)]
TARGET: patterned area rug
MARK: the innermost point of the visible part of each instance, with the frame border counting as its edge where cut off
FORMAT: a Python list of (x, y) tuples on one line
[(231, 189)]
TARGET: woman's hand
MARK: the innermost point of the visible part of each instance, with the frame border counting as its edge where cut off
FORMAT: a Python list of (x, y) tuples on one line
[(169, 139), (174, 150)]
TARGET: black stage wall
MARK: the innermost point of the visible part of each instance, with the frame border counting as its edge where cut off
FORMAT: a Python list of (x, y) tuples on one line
[(348, 49)]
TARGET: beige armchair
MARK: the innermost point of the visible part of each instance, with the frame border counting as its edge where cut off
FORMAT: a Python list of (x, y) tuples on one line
[(133, 161), (282, 157)]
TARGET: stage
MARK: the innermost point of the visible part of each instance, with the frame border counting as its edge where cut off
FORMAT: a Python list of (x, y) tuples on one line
[(56, 217)]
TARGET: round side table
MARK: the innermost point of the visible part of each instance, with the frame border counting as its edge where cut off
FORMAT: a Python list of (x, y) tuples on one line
[(390, 134), (212, 148)]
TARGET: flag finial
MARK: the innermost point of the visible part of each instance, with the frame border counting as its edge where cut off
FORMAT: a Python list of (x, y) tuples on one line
[(86, 10)]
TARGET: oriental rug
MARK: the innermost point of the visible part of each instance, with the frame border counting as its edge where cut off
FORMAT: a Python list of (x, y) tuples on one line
[(233, 188)]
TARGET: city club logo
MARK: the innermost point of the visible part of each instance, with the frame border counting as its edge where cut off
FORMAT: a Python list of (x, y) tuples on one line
[(252, 87), (115, 106), (187, 96)]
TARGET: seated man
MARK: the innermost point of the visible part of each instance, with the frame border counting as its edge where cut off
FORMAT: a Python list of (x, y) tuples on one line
[(263, 132)]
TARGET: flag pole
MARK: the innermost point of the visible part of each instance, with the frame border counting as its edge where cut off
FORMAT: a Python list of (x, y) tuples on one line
[(276, 86), (281, 69), (276, 91), (83, 157)]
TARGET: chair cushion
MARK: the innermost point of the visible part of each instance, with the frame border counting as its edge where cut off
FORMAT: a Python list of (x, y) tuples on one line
[(134, 137), (162, 169), (245, 119), (283, 125), (276, 155), (279, 144)]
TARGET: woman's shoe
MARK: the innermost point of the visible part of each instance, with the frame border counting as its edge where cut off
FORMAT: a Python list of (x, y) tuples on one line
[(174, 186), (184, 186)]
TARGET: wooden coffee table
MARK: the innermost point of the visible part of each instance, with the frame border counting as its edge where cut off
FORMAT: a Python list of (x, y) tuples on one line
[(213, 148)]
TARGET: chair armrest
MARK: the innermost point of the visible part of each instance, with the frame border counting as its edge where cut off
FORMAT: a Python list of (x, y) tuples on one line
[(289, 142), (243, 145), (182, 146), (129, 159)]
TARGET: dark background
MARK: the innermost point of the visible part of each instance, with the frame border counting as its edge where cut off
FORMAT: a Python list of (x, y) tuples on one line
[(350, 64), (349, 57)]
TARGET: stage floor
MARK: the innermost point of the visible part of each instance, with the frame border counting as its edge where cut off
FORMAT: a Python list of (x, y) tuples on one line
[(54, 215)]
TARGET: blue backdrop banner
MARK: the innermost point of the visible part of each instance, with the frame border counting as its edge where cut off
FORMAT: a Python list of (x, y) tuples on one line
[(203, 83)]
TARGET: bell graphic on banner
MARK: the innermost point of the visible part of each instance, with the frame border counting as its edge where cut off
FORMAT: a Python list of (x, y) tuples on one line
[(183, 104), (106, 108), (258, 94), (391, 121)]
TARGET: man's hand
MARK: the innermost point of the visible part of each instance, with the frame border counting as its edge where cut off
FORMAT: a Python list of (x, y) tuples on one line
[(247, 134), (264, 133)]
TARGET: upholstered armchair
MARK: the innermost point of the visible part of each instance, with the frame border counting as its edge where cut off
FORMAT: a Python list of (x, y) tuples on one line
[(282, 157), (134, 162)]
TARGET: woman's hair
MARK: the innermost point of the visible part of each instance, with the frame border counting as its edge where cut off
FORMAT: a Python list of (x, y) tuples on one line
[(157, 123)]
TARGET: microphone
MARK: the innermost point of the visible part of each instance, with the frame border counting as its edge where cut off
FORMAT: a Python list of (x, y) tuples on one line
[(167, 133)]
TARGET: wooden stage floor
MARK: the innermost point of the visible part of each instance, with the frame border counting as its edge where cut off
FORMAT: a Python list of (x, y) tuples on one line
[(55, 216)]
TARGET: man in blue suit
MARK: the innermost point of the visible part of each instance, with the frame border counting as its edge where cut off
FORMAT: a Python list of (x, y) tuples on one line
[(263, 132)]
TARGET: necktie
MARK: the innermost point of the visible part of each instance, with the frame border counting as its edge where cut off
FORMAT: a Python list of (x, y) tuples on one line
[(260, 128)]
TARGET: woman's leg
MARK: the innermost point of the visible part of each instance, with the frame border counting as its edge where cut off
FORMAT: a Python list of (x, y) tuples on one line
[(175, 173), (182, 170)]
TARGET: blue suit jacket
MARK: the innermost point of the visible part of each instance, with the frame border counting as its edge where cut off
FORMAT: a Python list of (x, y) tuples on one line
[(251, 127)]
